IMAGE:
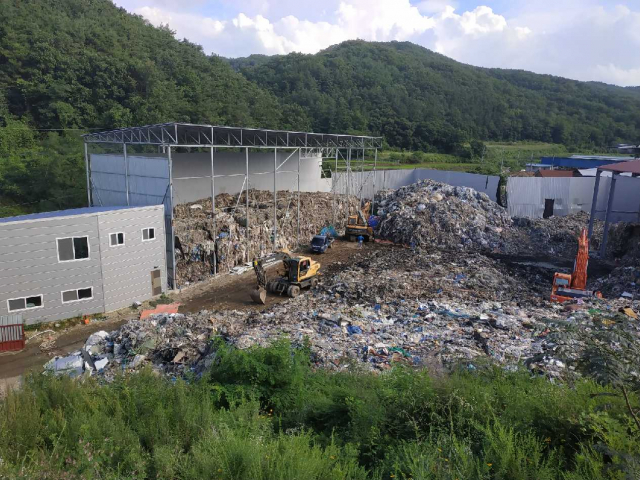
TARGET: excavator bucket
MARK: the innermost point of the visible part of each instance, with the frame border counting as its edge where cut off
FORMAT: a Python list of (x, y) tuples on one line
[(259, 295)]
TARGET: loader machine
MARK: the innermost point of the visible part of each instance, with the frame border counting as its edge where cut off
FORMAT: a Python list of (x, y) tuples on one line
[(299, 272)]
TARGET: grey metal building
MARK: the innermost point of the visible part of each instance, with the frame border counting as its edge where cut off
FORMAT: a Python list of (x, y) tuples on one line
[(58, 265)]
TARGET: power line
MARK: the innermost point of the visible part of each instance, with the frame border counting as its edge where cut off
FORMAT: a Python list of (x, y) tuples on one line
[(52, 129)]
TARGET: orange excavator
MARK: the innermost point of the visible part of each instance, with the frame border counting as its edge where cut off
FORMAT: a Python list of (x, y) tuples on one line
[(569, 287)]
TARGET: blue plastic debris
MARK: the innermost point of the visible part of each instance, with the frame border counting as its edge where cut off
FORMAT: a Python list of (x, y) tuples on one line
[(354, 330)]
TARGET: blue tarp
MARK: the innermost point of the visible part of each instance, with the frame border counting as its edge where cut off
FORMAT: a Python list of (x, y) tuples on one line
[(329, 231), (591, 162)]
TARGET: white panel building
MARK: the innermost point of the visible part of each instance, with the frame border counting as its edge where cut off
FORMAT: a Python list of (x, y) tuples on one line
[(58, 265)]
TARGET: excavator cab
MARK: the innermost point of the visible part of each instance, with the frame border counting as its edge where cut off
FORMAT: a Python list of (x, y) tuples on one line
[(299, 269)]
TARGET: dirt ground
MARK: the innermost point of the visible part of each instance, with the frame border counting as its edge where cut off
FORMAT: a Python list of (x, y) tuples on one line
[(14, 365), (227, 292), (231, 292)]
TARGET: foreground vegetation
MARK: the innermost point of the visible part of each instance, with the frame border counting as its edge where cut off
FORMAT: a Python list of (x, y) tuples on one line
[(264, 413)]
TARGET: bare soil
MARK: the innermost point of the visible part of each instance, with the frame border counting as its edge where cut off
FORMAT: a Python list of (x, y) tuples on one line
[(231, 292)]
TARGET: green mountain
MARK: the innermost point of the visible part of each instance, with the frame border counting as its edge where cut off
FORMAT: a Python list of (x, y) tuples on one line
[(423, 100), (88, 64), (82, 65)]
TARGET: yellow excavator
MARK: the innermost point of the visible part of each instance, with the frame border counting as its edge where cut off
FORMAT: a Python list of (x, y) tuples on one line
[(358, 225), (299, 272)]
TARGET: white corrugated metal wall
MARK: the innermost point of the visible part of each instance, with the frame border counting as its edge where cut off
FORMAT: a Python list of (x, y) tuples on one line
[(526, 196)]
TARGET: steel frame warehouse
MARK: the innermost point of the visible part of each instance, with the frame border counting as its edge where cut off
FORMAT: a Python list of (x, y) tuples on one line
[(171, 136)]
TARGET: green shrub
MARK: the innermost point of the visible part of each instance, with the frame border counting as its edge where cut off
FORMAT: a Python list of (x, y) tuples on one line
[(266, 413)]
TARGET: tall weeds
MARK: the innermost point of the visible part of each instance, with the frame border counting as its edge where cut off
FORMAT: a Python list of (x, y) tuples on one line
[(265, 413)]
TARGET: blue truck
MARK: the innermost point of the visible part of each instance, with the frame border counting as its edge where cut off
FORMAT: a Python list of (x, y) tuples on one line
[(320, 243)]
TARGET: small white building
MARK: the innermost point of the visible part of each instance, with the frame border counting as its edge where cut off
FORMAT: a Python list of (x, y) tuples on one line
[(59, 265)]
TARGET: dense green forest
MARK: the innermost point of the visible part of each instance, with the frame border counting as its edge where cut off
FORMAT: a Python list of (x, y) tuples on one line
[(85, 65), (425, 101), (74, 66)]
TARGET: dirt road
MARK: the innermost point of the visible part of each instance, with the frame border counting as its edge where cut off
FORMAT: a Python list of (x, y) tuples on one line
[(231, 292)]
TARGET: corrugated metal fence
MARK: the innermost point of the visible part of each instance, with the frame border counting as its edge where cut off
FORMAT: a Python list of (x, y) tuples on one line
[(526, 197), (11, 333)]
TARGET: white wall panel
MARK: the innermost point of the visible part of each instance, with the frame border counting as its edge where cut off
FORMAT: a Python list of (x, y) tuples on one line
[(526, 196), (394, 179)]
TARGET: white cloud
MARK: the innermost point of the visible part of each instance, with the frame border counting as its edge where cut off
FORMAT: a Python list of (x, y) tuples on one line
[(573, 38)]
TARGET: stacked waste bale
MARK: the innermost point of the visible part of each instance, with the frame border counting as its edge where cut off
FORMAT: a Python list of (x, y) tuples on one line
[(194, 228), (430, 213)]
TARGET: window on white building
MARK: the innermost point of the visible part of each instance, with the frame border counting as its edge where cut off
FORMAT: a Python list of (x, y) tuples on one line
[(148, 234), (77, 295), (24, 303), (73, 248), (116, 239)]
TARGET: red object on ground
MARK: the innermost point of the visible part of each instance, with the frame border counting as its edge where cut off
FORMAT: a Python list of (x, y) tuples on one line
[(11, 337), (166, 308)]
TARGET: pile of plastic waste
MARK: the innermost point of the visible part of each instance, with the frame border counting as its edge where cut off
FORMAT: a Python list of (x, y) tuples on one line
[(430, 213)]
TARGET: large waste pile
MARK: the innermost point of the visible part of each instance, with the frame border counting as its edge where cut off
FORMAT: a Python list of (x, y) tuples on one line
[(554, 236), (194, 228), (436, 214), (390, 306), (422, 307)]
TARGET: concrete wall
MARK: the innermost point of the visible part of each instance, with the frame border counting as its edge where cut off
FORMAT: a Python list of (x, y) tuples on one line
[(399, 178), (526, 196), (126, 269), (29, 264)]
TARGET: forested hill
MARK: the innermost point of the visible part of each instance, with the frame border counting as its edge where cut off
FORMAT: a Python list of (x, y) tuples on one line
[(423, 100), (80, 65), (89, 64)]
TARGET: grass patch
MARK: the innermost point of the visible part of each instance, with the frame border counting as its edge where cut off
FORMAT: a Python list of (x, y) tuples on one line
[(264, 413)]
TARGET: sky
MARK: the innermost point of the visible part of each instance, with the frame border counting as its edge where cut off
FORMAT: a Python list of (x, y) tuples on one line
[(580, 39)]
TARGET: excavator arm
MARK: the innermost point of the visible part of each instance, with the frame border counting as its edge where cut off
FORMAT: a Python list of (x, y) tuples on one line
[(363, 214), (259, 294), (566, 287), (579, 275)]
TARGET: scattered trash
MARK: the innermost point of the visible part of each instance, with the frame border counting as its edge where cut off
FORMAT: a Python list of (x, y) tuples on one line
[(439, 307), (72, 365), (629, 313), (354, 329)]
